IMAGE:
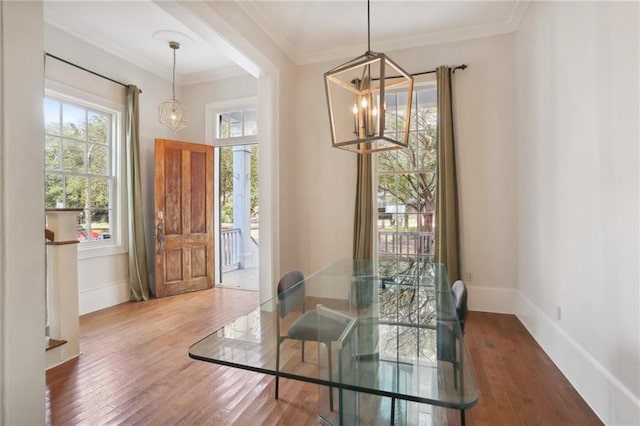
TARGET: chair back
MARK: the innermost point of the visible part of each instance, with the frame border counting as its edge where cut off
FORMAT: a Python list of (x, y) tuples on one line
[(459, 290), (291, 292)]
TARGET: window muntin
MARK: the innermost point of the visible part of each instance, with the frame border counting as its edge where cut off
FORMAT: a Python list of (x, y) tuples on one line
[(80, 147)]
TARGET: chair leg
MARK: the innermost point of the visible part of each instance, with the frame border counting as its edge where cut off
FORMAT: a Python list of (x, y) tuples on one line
[(277, 368), (330, 387), (303, 351), (462, 418), (393, 411)]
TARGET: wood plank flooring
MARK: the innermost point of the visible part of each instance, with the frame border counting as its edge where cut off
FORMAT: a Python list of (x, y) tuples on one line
[(134, 369)]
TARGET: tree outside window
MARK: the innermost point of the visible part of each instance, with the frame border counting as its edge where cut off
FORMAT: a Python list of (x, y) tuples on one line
[(78, 165), (406, 181)]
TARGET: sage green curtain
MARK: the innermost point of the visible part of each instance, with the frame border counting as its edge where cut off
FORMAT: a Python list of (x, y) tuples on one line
[(363, 218), (138, 271), (447, 249)]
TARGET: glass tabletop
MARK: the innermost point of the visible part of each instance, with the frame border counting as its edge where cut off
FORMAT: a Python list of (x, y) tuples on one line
[(384, 328)]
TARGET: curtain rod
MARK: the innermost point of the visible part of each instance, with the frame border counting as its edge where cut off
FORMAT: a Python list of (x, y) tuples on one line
[(453, 70), (86, 70), (458, 67)]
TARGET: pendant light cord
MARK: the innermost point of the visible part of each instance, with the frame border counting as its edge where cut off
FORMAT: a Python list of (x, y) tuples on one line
[(368, 26), (173, 81)]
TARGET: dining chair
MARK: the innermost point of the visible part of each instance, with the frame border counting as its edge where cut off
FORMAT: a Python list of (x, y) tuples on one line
[(459, 290), (308, 326)]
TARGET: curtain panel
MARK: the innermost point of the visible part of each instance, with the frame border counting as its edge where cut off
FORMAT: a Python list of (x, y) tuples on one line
[(138, 270), (447, 249), (363, 217)]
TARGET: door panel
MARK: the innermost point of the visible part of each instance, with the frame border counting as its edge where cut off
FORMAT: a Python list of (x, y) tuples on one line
[(184, 217)]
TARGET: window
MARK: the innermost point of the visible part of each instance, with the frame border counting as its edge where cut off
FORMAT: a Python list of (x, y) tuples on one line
[(80, 165), (406, 188), (406, 182), (236, 124)]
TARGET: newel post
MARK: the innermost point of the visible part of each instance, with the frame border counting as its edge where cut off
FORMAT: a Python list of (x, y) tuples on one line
[(62, 285)]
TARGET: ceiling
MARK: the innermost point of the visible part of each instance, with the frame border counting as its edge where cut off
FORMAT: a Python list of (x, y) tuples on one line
[(308, 31)]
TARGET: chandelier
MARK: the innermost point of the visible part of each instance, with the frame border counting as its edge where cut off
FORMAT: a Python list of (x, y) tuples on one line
[(173, 114), (357, 94)]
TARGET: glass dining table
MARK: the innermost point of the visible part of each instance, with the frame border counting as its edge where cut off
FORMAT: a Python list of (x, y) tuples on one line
[(386, 345)]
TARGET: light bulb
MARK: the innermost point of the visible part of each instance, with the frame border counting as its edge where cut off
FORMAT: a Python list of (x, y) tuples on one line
[(374, 111), (173, 115), (363, 103), (355, 109)]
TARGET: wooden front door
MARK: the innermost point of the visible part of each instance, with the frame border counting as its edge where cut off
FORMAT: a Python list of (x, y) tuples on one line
[(184, 217)]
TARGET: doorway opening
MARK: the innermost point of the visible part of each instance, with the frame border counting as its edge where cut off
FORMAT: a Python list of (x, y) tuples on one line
[(237, 209)]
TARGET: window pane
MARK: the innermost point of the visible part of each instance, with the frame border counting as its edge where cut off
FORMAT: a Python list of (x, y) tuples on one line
[(386, 161), (426, 98), (53, 191), (235, 124), (76, 190), (223, 126), (100, 225), (100, 192), (73, 120), (82, 227), (73, 156), (250, 122), (51, 116), (98, 127), (391, 114), (52, 153), (98, 159)]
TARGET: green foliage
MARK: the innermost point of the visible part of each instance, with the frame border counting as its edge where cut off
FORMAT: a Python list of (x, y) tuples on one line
[(77, 161), (226, 182), (254, 179), (408, 176), (227, 213)]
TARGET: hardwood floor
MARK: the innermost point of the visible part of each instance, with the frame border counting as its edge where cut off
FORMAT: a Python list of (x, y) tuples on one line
[(134, 369)]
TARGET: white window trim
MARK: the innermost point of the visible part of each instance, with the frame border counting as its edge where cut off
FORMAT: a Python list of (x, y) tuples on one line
[(118, 242), (211, 112)]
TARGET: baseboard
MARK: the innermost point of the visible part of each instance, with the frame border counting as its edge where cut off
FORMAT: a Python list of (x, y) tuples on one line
[(491, 299), (58, 356), (609, 399), (103, 297)]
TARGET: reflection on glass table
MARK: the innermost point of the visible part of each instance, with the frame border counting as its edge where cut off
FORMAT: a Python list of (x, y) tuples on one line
[(404, 343)]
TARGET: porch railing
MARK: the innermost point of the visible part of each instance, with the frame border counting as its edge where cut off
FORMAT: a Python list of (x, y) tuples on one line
[(399, 245), (230, 242), (230, 248)]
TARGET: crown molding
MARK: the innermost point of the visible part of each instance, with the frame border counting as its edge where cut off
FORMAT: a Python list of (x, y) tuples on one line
[(256, 13)]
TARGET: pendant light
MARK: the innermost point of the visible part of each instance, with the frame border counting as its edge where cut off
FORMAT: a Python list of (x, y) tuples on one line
[(356, 94), (173, 114)]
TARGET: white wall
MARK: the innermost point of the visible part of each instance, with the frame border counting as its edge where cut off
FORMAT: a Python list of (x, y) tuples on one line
[(276, 78), (24, 38), (270, 66), (103, 279), (22, 359), (197, 96), (578, 194), (320, 181)]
